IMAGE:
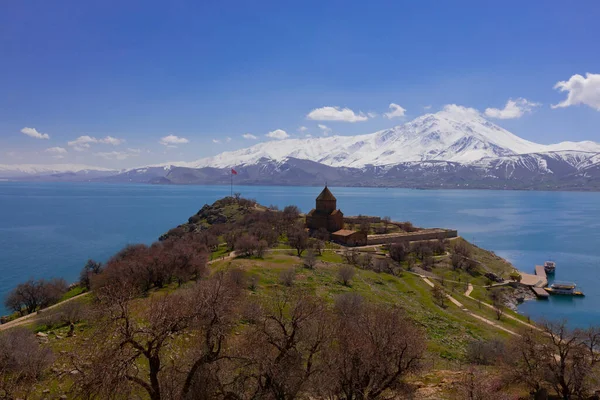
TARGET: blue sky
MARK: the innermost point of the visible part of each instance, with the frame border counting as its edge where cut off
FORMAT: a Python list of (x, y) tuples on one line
[(124, 75)]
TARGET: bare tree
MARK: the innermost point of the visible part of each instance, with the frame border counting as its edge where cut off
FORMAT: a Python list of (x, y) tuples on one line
[(310, 260), (386, 222), (126, 341), (439, 295), (298, 239), (497, 298), (246, 245), (317, 245), (399, 251), (351, 256), (261, 248), (279, 355), (345, 274), (480, 385), (526, 360), (366, 261), (374, 348), (32, 295), (568, 365), (22, 361), (91, 267), (287, 276)]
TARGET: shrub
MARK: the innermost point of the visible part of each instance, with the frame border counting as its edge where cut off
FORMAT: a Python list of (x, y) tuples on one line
[(287, 277), (345, 274)]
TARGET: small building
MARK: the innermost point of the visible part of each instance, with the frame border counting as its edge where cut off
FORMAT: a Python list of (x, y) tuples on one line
[(347, 237), (325, 214)]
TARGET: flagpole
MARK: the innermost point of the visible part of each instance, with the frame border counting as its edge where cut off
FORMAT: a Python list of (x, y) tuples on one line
[(231, 173)]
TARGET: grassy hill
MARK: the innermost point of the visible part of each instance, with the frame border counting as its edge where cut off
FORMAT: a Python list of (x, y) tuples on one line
[(448, 329)]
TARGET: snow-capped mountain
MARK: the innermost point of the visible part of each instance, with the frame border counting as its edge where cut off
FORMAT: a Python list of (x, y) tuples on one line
[(25, 170), (455, 134), (455, 147)]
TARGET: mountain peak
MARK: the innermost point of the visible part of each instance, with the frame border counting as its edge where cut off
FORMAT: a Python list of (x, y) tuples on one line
[(455, 133)]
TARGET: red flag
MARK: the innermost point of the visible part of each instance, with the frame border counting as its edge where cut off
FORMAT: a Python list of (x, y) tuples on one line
[(233, 171)]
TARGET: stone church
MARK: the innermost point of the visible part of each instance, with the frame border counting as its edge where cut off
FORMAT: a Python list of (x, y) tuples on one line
[(325, 214)]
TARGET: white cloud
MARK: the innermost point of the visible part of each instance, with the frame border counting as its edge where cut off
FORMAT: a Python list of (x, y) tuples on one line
[(325, 129), (228, 139), (172, 141), (460, 110), (396, 111), (249, 136), (336, 114), (278, 134), (581, 91), (57, 152), (513, 109), (111, 140), (32, 132), (427, 107), (302, 129), (308, 135), (84, 142), (119, 155), (371, 114), (216, 141)]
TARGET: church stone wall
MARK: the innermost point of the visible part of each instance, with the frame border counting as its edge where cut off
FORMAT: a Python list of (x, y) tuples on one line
[(426, 234)]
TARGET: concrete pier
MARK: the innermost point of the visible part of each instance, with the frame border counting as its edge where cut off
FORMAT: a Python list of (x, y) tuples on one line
[(538, 280)]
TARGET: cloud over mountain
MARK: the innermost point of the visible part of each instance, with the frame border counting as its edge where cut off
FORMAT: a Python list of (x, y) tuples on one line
[(336, 114), (513, 109), (396, 111), (580, 91), (278, 134), (173, 140)]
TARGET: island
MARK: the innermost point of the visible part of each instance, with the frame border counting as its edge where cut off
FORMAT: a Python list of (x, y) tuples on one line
[(247, 301)]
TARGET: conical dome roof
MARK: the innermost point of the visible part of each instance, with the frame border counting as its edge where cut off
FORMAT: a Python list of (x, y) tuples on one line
[(326, 195)]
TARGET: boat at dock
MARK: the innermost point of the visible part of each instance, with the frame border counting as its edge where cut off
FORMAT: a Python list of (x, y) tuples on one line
[(549, 267), (564, 288)]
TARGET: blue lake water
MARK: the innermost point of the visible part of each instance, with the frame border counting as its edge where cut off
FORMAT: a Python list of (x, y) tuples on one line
[(51, 229)]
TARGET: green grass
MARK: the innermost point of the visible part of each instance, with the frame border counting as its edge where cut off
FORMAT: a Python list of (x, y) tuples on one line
[(448, 330), (220, 252), (330, 256), (74, 291)]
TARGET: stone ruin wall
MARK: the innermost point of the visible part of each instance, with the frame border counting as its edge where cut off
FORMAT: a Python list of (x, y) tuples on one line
[(426, 234)]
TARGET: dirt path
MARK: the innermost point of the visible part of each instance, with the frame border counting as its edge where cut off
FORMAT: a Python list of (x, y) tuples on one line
[(30, 317), (468, 294), (465, 309), (469, 290)]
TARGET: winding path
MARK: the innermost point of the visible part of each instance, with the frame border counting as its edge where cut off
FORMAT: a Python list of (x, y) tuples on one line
[(466, 310)]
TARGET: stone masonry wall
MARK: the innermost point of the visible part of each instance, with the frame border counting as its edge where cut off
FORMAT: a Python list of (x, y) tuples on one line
[(425, 234)]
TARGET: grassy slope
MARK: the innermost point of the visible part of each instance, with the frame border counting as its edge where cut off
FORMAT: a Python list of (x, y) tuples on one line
[(448, 330)]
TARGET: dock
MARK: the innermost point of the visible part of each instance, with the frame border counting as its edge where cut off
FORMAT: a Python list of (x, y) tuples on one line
[(537, 282), (539, 279), (540, 292)]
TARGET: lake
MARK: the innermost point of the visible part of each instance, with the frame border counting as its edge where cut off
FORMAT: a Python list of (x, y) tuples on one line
[(51, 229)]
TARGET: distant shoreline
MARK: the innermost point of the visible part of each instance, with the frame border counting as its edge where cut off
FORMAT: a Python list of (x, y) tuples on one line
[(314, 184)]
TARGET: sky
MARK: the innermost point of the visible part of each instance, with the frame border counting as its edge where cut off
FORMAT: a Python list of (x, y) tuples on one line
[(130, 83)]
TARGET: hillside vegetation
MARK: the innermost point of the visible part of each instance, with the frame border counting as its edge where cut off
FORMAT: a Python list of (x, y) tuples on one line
[(241, 303)]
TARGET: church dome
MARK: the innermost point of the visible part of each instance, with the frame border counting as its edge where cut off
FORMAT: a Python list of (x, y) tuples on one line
[(326, 195)]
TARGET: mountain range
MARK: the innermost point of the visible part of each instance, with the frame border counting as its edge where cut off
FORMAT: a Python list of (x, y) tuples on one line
[(456, 147)]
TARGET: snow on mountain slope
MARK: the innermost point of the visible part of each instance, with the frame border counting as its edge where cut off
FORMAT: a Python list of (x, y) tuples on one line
[(553, 162), (456, 134), (40, 169), (586, 145)]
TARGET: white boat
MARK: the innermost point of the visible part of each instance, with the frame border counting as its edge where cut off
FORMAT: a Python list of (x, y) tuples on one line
[(549, 267), (564, 288)]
